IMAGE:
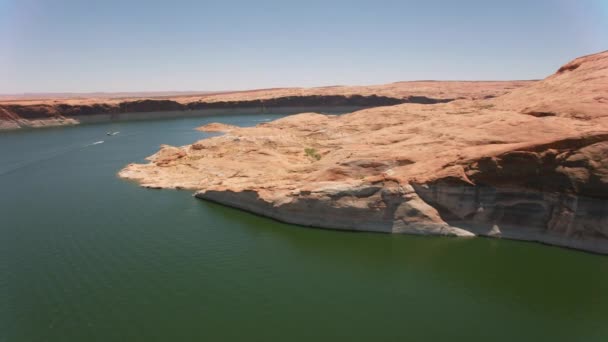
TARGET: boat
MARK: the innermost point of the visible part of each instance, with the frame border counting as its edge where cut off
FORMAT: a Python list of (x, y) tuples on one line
[(112, 133)]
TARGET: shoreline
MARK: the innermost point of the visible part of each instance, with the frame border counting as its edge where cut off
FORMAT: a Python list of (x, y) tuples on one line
[(43, 112), (178, 114), (248, 201)]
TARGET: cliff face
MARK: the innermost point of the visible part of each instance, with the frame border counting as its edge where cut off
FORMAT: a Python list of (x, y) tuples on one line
[(31, 113), (464, 168)]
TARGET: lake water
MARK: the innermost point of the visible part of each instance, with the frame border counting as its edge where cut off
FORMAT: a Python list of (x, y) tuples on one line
[(85, 256)]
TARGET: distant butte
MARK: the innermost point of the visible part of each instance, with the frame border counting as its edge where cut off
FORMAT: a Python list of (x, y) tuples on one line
[(520, 160)]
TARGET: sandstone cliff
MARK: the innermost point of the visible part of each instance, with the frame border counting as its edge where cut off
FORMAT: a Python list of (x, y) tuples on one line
[(44, 112), (531, 165)]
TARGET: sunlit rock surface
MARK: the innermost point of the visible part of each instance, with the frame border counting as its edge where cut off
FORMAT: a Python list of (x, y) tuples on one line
[(530, 165), (46, 111)]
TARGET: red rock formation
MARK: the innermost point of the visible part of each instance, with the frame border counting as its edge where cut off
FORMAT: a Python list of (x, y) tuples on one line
[(34, 112), (465, 168), (577, 90)]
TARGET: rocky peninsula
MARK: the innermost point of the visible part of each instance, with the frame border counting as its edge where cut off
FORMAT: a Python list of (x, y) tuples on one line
[(531, 164)]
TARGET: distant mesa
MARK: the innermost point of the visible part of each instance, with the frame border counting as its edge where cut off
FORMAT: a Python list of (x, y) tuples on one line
[(66, 110)]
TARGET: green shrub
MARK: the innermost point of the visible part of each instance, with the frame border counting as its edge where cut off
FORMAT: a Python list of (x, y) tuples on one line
[(312, 153)]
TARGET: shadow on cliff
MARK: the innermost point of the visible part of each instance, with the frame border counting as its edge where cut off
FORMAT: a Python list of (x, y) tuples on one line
[(43, 111)]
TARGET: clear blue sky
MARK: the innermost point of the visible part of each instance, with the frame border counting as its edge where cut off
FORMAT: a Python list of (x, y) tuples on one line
[(108, 45)]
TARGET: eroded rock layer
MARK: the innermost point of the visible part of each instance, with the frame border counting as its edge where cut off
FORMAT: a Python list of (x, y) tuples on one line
[(45, 112), (463, 168)]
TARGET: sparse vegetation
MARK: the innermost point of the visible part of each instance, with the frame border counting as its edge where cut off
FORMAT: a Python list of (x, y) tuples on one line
[(486, 106), (312, 153)]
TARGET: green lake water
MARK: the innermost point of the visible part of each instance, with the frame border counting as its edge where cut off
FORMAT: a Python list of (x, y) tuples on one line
[(86, 256)]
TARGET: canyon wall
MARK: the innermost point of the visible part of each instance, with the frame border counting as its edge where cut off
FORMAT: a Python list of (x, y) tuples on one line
[(53, 112)]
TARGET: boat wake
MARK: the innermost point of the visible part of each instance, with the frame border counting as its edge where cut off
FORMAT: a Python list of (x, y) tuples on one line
[(52, 155)]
